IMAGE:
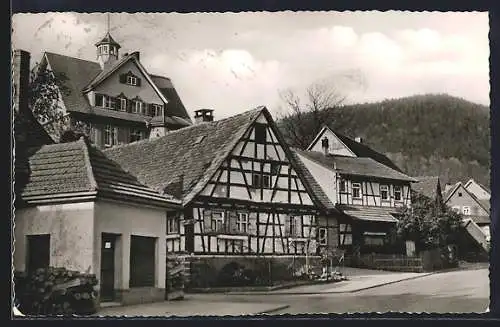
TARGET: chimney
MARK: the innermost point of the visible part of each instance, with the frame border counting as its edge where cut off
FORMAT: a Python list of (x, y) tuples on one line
[(203, 115), (358, 139), (324, 145), (137, 55), (21, 78)]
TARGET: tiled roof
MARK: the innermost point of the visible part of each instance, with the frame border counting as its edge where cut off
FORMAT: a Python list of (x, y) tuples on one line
[(485, 204), (162, 161), (362, 150), (316, 188), (175, 107), (75, 167), (427, 186), (367, 213), (76, 74), (355, 166)]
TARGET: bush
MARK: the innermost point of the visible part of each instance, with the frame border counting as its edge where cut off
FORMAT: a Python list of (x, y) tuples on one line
[(55, 291), (235, 274)]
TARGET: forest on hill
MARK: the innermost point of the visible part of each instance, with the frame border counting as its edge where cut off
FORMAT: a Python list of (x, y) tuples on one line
[(425, 135)]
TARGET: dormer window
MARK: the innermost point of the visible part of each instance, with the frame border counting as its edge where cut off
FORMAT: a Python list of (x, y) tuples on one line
[(132, 80), (138, 107), (123, 104), (104, 101)]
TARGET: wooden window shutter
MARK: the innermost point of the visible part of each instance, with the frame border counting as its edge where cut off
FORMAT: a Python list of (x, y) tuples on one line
[(232, 222), (138, 81), (98, 100), (123, 78), (252, 223), (123, 135), (207, 220)]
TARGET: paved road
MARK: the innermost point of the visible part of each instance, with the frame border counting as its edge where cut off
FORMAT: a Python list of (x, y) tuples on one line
[(458, 291)]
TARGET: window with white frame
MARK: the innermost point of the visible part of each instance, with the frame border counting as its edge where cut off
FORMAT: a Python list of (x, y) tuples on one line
[(172, 222), (345, 234), (104, 49), (217, 221), (104, 101), (343, 185), (356, 190), (110, 135), (123, 104), (242, 222), (322, 236), (138, 107), (398, 193), (466, 210), (295, 226), (131, 80), (384, 192), (157, 110), (261, 180)]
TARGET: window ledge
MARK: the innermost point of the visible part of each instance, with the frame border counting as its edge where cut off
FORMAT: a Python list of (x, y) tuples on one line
[(232, 237), (297, 239), (173, 236)]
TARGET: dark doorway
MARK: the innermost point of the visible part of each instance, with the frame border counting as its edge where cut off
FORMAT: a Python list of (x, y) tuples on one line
[(108, 267), (38, 252), (142, 261)]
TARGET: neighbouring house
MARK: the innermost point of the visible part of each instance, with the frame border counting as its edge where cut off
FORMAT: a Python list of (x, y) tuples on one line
[(480, 191), (365, 191), (77, 209), (430, 187), (339, 144), (116, 98), (475, 212), (243, 193)]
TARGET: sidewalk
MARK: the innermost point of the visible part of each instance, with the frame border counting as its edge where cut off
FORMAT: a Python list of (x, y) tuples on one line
[(191, 307), (358, 280)]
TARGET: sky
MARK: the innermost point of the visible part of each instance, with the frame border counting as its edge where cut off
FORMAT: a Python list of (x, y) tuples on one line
[(233, 62)]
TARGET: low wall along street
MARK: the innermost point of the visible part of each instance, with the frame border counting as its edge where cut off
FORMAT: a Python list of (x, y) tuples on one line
[(426, 261)]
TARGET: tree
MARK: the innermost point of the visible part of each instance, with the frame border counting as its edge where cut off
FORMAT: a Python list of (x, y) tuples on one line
[(302, 120), (44, 99), (430, 224)]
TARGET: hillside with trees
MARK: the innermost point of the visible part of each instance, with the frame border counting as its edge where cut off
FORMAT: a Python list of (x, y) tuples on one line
[(436, 135)]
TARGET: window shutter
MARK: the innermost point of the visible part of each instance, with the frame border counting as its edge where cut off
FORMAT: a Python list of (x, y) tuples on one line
[(138, 81), (207, 220), (123, 135), (252, 223), (115, 135), (233, 226), (123, 78), (98, 100)]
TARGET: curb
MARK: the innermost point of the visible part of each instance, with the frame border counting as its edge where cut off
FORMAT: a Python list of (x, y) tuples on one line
[(286, 306), (330, 292)]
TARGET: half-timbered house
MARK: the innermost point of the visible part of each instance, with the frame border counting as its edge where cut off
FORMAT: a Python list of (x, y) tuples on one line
[(241, 189), (367, 192)]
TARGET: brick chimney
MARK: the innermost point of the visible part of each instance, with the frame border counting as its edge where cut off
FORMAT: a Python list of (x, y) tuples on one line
[(21, 77), (203, 115), (358, 139), (325, 145)]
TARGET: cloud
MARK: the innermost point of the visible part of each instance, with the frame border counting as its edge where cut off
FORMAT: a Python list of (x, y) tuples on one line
[(233, 62)]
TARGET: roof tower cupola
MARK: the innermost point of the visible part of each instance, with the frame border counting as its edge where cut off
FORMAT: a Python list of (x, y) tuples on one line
[(107, 49)]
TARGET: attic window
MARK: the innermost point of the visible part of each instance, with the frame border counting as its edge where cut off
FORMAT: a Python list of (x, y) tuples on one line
[(260, 133), (130, 79), (459, 193), (199, 139)]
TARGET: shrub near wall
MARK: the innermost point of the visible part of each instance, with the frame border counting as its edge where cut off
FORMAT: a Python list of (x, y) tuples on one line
[(221, 271), (55, 291)]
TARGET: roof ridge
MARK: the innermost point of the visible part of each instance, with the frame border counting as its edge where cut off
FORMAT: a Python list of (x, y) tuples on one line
[(88, 164), (121, 146), (63, 55)]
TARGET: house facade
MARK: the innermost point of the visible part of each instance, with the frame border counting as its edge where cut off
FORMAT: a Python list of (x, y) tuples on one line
[(78, 210), (114, 100), (366, 192)]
